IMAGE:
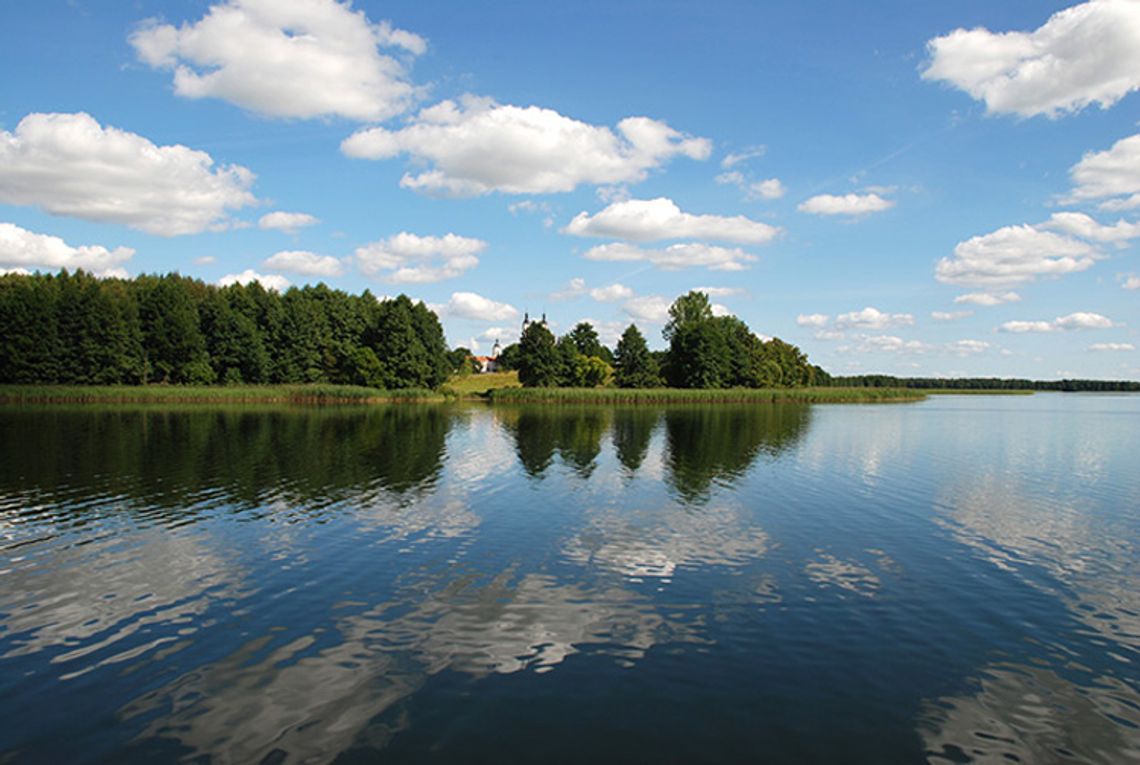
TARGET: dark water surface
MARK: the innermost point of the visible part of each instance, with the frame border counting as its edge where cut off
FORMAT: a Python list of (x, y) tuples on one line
[(947, 581)]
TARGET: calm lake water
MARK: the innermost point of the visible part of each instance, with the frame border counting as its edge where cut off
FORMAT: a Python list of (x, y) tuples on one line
[(946, 581)]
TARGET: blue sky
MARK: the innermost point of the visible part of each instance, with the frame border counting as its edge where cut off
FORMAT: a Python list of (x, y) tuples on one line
[(899, 187)]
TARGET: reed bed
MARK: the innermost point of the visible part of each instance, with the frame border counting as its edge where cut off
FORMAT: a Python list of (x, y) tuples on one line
[(317, 393), (701, 396)]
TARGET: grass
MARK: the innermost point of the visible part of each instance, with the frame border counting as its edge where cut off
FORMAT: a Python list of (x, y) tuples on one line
[(480, 385), (678, 396), (317, 393)]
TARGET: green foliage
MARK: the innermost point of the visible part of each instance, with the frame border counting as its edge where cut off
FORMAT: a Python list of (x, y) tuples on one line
[(634, 367), (567, 362), (707, 351), (540, 364), (690, 309), (592, 371), (460, 361), (78, 330), (585, 339), (509, 357)]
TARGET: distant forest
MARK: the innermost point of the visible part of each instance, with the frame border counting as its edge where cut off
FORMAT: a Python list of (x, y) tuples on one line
[(982, 383), (80, 330)]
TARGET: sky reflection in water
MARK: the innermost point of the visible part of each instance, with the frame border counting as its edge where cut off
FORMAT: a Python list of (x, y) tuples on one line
[(945, 580)]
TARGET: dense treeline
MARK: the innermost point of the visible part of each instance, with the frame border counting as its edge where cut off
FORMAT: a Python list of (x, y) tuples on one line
[(80, 330), (705, 351), (982, 383)]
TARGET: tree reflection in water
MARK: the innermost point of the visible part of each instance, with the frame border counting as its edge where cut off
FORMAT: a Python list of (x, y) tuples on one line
[(703, 444), (717, 444), (240, 455), (573, 433)]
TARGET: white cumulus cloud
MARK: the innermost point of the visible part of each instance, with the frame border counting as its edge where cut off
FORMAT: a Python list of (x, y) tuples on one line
[(649, 308), (1084, 226), (469, 305), (503, 335), (302, 58), (649, 220), (289, 222), (268, 281), (1111, 176), (1086, 54), (303, 262), (769, 188), (675, 256), (950, 315), (1112, 347), (1074, 321), (988, 298), (68, 164), (847, 204), (967, 347), (885, 344), (721, 291), (813, 319), (1132, 282), (477, 146), (872, 318), (22, 251), (409, 258), (611, 293), (1014, 255), (574, 288)]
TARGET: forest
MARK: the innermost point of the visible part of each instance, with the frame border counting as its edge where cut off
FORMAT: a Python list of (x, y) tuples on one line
[(77, 329), (982, 383), (704, 351)]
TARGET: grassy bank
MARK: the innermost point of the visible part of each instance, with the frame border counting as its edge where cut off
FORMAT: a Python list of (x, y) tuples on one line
[(683, 396), (468, 386), (237, 394)]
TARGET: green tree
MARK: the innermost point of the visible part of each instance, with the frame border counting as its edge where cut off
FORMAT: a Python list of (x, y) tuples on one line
[(539, 363), (172, 341), (460, 361), (585, 339), (567, 363), (509, 357), (404, 359), (698, 356), (430, 334), (592, 372), (690, 309), (634, 367)]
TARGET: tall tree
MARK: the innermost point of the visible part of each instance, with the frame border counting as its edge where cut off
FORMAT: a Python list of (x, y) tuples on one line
[(172, 341), (689, 309), (585, 339), (633, 365), (539, 363)]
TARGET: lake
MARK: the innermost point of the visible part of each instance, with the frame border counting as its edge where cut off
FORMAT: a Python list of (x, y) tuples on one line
[(953, 580)]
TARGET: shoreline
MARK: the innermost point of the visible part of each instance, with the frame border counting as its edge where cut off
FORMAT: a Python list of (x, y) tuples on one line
[(328, 395), (305, 395)]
